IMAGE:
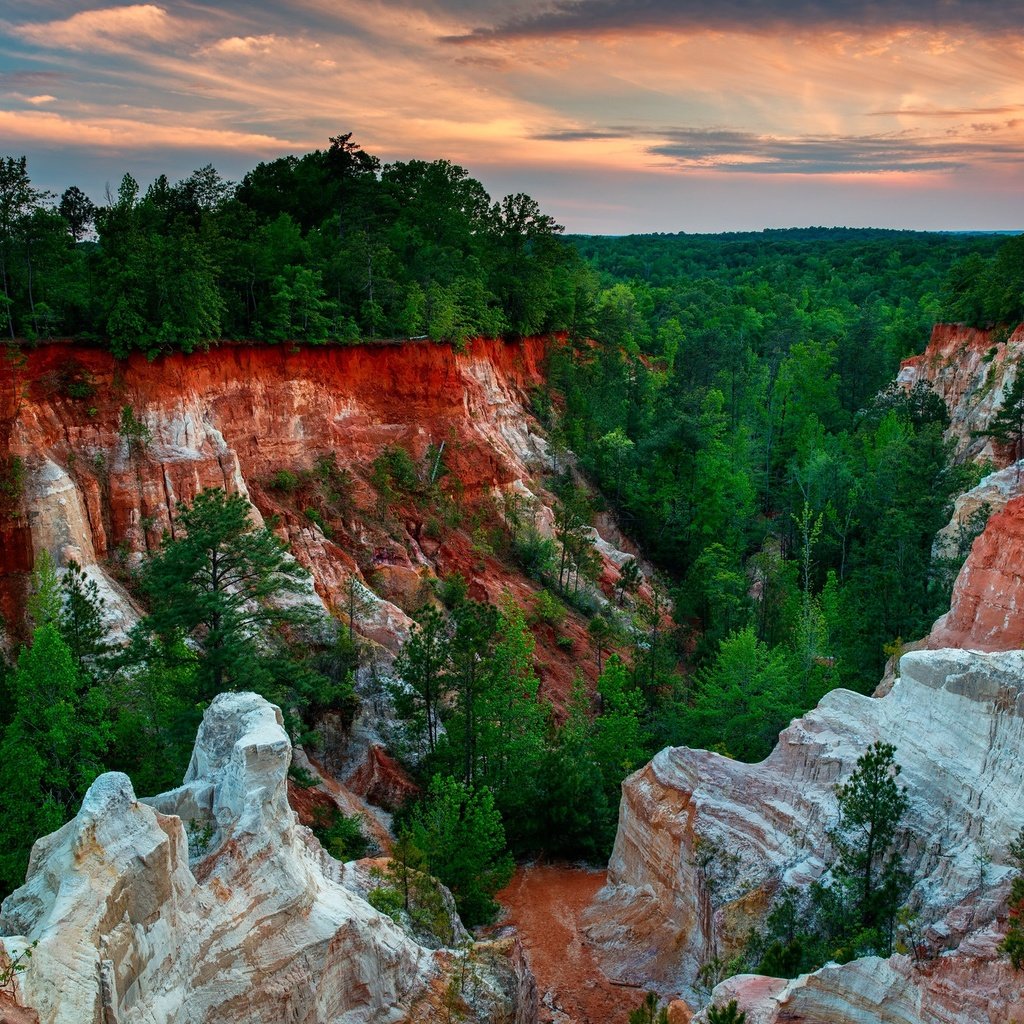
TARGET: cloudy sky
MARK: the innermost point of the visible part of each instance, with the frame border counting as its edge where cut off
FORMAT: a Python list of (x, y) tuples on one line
[(618, 115)]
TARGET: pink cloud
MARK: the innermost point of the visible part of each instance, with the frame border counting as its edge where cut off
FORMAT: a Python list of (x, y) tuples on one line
[(127, 134), (106, 28)]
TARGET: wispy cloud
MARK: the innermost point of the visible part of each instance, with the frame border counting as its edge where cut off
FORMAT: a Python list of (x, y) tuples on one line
[(127, 134), (628, 95), (587, 17), (732, 150)]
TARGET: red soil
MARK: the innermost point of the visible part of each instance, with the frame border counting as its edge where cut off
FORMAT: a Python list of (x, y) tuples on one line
[(545, 903)]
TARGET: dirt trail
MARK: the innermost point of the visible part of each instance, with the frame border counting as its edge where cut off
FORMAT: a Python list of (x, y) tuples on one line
[(544, 903)]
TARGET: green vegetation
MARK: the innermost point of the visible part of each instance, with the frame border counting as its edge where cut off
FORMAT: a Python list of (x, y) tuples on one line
[(855, 910), (1013, 944), (648, 1012), (723, 396), (330, 245)]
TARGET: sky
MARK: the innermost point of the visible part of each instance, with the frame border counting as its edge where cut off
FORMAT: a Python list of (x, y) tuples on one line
[(616, 115)]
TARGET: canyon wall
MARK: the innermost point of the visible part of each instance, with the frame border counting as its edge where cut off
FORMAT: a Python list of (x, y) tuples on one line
[(238, 416), (234, 416), (971, 370), (212, 905), (677, 897)]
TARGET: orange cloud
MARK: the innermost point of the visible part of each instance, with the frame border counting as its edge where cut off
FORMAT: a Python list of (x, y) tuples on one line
[(127, 134), (107, 28)]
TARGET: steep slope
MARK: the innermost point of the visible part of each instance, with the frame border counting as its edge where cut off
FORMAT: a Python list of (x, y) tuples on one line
[(970, 369), (108, 448), (212, 904)]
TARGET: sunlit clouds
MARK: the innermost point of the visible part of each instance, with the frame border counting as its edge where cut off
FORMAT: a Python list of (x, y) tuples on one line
[(636, 115)]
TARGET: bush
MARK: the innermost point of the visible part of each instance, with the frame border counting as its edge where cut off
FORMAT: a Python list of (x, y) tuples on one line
[(386, 900), (547, 609), (341, 835), (284, 480)]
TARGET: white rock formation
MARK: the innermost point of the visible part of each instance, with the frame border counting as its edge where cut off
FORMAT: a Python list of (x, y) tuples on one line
[(970, 985), (956, 719), (212, 904)]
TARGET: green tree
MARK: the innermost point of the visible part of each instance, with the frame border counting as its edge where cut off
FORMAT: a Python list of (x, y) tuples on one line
[(44, 597), (648, 1012), (50, 752), (868, 872), (221, 580), (459, 830), (81, 620), (742, 699), (728, 1014), (512, 724), (424, 666), (1007, 426), (78, 210), (574, 812), (1013, 944)]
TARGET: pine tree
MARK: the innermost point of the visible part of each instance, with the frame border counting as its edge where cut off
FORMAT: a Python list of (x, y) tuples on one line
[(1013, 944), (459, 830), (424, 667), (219, 580), (50, 752), (871, 806), (1007, 426)]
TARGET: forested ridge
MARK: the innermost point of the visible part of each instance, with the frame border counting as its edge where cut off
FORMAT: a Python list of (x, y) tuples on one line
[(727, 398), (327, 245)]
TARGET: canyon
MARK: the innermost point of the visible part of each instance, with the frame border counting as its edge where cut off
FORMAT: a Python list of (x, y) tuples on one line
[(125, 907), (119, 893)]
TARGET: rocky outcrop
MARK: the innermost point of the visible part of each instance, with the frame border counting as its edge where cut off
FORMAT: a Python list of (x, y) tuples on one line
[(988, 594), (233, 417), (969, 985), (676, 897), (971, 370), (212, 904)]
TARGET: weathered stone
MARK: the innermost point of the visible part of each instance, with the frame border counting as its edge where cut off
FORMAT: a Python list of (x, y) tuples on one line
[(956, 719), (212, 905)]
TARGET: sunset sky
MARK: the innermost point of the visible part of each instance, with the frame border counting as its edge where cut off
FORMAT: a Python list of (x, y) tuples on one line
[(618, 115)]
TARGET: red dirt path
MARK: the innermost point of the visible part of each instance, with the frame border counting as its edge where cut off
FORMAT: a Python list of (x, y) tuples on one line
[(544, 903)]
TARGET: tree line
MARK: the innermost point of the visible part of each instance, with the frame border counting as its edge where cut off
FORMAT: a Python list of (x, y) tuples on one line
[(327, 245)]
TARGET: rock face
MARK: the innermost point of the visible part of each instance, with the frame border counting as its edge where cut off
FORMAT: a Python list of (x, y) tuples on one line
[(239, 415), (970, 985), (988, 594), (971, 370), (212, 904), (231, 418), (674, 900)]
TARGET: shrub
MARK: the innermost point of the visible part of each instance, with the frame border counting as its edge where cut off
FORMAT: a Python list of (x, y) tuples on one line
[(386, 900), (547, 609), (341, 835), (284, 480)]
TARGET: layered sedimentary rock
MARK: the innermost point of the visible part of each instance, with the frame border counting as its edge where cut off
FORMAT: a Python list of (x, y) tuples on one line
[(212, 904), (675, 897), (971, 370), (231, 418), (988, 596), (101, 486), (969, 985)]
